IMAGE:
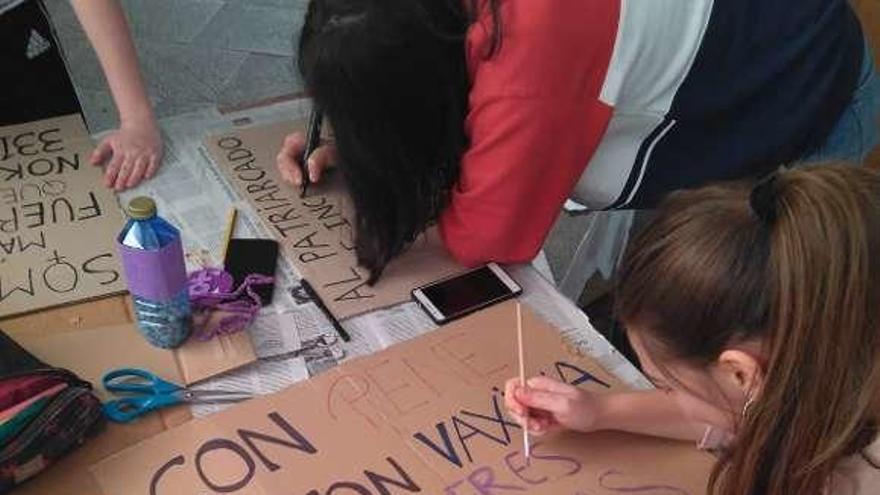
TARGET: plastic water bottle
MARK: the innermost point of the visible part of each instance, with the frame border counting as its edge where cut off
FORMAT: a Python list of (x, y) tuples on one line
[(152, 256)]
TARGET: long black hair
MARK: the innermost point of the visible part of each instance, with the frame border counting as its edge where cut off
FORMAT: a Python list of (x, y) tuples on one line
[(391, 77)]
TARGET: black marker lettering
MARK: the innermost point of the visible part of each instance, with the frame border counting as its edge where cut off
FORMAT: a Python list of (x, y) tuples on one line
[(447, 451), (497, 418), (324, 212), (71, 164), (87, 267), (64, 202), (218, 444), (13, 172), (240, 154), (307, 241), (7, 149), (259, 175), (266, 185), (48, 143), (307, 204), (229, 142), (355, 293), (40, 167), (37, 241), (472, 431), (299, 441), (310, 256), (37, 211), (271, 196), (94, 208), (27, 289), (60, 276), (582, 375), (284, 229), (154, 481), (26, 147), (379, 481), (287, 216)]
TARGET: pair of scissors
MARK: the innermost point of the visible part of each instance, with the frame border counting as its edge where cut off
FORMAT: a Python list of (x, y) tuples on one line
[(142, 392)]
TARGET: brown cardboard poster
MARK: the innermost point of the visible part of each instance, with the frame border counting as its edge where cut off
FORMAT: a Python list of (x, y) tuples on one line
[(57, 220), (422, 417), (67, 336), (92, 352), (316, 232)]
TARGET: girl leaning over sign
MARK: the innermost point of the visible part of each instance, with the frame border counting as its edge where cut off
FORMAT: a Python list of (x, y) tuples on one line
[(755, 310), (483, 116)]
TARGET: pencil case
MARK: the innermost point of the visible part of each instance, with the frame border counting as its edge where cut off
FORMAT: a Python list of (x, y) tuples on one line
[(45, 412)]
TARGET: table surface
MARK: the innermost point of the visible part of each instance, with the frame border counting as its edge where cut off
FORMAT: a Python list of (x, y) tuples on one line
[(186, 169)]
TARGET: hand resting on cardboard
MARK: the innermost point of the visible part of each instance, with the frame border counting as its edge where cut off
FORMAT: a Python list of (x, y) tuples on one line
[(288, 159), (130, 154)]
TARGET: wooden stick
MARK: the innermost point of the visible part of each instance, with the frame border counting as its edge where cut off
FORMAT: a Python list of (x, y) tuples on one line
[(522, 374), (230, 230)]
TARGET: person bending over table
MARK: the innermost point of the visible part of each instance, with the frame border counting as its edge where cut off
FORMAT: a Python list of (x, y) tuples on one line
[(34, 83), (754, 310), (485, 115)]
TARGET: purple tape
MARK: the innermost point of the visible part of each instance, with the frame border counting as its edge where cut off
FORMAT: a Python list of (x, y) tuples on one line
[(154, 275)]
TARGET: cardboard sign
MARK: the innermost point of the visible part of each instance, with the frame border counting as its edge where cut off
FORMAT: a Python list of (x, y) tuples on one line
[(317, 232), (57, 220), (422, 417)]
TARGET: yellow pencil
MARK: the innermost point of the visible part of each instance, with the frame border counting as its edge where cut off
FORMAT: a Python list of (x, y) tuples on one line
[(230, 230), (522, 374)]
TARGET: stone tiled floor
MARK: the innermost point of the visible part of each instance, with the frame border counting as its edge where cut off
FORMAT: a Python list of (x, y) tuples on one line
[(193, 53), (197, 54)]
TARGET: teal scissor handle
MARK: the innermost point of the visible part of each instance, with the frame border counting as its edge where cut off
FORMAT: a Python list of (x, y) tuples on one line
[(147, 392)]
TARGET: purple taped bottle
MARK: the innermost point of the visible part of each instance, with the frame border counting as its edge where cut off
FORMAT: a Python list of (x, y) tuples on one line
[(152, 258)]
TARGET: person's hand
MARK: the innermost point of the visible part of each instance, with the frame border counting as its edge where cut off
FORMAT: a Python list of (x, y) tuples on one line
[(545, 406), (131, 154), (288, 159)]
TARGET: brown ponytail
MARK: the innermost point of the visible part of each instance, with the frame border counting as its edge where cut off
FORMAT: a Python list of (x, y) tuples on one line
[(794, 261)]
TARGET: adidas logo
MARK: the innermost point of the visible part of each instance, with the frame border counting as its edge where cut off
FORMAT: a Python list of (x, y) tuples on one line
[(37, 45)]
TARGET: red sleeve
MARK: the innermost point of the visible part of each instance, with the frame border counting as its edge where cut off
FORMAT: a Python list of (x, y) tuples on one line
[(527, 155), (534, 122)]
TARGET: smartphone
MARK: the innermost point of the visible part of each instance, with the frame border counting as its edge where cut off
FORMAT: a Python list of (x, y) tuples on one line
[(460, 295), (247, 256)]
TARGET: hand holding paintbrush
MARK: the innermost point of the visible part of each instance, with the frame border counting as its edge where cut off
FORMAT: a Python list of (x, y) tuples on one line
[(544, 405)]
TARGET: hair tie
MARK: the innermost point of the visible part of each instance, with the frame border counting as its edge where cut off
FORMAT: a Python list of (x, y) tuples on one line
[(338, 21), (763, 199)]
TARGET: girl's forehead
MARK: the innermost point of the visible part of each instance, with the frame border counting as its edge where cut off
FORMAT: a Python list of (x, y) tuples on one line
[(649, 367)]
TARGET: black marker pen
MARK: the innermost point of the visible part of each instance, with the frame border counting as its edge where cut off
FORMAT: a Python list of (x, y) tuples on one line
[(313, 140), (313, 295)]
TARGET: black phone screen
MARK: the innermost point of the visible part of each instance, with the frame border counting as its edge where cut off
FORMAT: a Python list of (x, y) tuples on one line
[(247, 256), (466, 292)]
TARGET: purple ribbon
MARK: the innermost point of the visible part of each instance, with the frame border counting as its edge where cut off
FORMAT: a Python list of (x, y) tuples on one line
[(211, 289)]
